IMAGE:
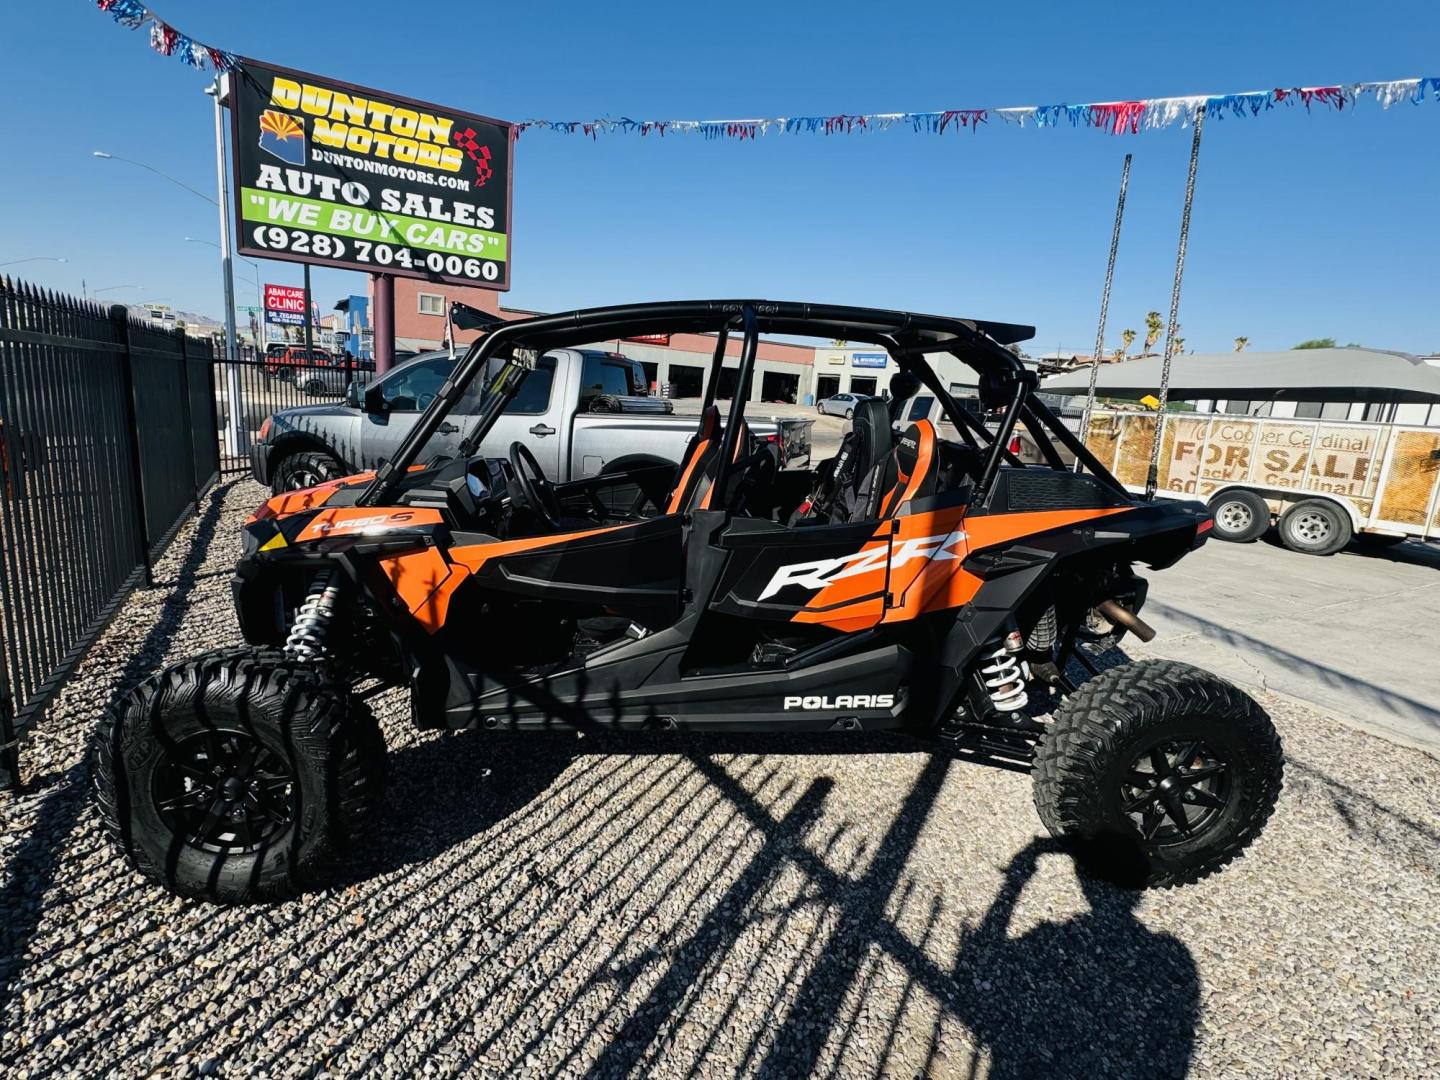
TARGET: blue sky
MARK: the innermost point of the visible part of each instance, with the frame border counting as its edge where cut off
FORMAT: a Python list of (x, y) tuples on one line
[(1304, 225)]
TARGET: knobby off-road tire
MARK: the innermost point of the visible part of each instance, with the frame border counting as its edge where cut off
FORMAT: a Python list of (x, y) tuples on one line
[(305, 469), (163, 756), (1113, 740)]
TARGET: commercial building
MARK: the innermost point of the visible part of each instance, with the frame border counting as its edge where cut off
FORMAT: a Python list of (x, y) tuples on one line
[(676, 364)]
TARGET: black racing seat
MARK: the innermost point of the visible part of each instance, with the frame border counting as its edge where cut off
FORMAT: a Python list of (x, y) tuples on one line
[(911, 472), (843, 484)]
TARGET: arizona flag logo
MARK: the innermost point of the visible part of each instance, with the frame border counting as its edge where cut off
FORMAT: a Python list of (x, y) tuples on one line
[(282, 135)]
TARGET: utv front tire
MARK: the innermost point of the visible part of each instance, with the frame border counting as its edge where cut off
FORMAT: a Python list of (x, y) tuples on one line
[(238, 775), (305, 469), (1157, 773)]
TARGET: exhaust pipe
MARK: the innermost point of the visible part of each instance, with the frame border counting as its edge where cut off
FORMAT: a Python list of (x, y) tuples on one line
[(1119, 616)]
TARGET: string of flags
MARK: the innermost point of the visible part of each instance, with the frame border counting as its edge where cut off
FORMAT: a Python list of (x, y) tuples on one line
[(165, 39), (1114, 117)]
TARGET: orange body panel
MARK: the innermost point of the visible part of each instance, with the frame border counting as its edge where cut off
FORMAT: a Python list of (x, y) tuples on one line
[(926, 554), (293, 502), (361, 520), (425, 582)]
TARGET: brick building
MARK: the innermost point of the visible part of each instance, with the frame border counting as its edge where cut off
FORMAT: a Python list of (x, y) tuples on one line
[(783, 371)]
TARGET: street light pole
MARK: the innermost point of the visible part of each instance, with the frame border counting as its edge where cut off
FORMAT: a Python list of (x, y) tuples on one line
[(34, 258), (236, 441), (151, 168)]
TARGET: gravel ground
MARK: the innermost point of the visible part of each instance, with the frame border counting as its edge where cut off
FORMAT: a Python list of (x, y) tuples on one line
[(540, 905)]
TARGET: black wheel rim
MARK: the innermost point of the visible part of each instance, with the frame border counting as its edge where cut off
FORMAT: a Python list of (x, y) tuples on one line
[(1176, 790), (224, 791)]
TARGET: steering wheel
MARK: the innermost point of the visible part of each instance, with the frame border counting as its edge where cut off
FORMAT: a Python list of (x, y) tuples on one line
[(535, 491)]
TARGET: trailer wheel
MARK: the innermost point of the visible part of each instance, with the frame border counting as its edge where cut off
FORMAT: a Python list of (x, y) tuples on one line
[(1315, 527), (1240, 515), (1157, 773)]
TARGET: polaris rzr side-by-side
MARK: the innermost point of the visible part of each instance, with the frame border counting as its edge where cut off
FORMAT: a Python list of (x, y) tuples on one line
[(923, 579)]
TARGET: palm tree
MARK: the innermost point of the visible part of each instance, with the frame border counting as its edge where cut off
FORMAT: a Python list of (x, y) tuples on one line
[(1128, 337), (1240, 343), (1117, 356), (1153, 326), (1179, 346)]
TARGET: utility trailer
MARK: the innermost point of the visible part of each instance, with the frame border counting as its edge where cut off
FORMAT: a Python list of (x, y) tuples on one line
[(1324, 481)]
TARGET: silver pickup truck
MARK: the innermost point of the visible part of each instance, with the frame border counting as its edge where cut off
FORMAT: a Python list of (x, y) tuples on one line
[(581, 412)]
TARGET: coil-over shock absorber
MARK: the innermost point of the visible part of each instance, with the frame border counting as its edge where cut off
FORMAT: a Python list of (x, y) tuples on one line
[(1004, 676), (307, 636)]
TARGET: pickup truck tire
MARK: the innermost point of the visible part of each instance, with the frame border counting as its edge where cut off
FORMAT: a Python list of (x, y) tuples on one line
[(304, 469), (1240, 516), (1315, 527), (238, 775)]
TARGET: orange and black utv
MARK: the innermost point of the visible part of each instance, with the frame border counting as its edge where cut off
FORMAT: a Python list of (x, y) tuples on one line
[(923, 579)]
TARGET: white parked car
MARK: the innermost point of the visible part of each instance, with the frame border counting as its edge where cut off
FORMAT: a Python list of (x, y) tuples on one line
[(841, 404)]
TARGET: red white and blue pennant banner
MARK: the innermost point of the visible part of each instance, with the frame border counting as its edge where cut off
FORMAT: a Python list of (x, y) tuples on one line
[(165, 39), (1115, 117)]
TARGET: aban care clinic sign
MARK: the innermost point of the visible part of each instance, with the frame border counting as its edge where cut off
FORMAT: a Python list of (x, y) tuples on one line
[(284, 305), (342, 176)]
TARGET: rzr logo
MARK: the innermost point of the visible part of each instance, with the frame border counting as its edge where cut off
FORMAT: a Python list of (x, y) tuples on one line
[(818, 574), (843, 701)]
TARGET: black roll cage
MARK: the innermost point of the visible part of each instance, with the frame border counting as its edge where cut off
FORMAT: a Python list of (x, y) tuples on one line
[(907, 336)]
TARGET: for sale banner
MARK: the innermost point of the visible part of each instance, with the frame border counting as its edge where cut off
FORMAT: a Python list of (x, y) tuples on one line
[(339, 175), (284, 305)]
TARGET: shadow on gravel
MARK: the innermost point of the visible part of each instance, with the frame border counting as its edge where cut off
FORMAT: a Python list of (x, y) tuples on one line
[(1096, 995), (30, 871), (446, 789)]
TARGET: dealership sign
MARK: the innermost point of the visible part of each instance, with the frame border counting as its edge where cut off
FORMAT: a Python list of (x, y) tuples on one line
[(284, 305), (868, 359), (338, 175)]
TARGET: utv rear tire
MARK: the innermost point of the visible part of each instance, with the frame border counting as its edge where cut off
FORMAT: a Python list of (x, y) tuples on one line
[(311, 757), (1240, 516), (305, 470), (1315, 527), (1142, 742)]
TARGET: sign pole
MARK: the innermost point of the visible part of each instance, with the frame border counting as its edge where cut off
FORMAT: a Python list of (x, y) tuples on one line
[(309, 308), (384, 321), (235, 434), (1104, 305)]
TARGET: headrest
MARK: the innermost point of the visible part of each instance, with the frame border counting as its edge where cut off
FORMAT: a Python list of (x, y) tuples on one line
[(916, 448), (872, 426), (710, 422)]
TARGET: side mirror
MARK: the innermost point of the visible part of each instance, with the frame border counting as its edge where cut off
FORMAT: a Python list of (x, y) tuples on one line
[(352, 395), (374, 401)]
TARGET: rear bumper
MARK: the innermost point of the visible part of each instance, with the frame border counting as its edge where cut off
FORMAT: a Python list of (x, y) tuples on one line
[(260, 463)]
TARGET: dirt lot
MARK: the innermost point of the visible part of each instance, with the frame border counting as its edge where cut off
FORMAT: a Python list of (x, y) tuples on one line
[(537, 906)]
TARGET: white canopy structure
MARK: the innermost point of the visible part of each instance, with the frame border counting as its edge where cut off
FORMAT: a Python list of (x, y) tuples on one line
[(1370, 375)]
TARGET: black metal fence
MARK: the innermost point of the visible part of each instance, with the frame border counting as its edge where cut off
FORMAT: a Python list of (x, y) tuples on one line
[(108, 439), (262, 385)]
